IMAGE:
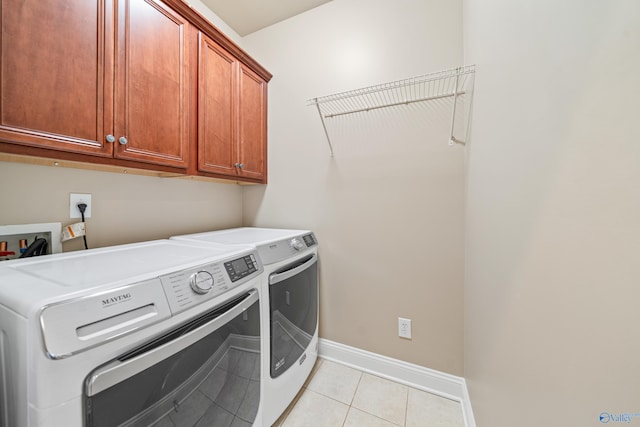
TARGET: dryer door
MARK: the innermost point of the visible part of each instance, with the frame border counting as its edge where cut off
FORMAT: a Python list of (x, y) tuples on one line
[(204, 372), (293, 301)]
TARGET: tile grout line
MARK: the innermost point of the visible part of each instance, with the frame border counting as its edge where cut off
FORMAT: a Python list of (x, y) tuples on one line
[(297, 397), (346, 416), (350, 405), (357, 387), (352, 399), (406, 408), (362, 374)]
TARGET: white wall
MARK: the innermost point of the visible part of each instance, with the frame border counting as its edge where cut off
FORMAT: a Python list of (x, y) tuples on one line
[(553, 212), (388, 207), (204, 10), (125, 208)]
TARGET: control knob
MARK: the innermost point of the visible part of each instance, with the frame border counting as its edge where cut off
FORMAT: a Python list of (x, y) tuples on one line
[(201, 282), (297, 244)]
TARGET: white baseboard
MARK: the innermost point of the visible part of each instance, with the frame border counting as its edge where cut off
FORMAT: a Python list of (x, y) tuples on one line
[(467, 411), (430, 380)]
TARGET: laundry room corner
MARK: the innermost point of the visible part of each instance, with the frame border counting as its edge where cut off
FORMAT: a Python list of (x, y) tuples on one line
[(388, 204)]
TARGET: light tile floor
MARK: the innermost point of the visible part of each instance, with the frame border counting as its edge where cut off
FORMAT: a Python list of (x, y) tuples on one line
[(340, 396)]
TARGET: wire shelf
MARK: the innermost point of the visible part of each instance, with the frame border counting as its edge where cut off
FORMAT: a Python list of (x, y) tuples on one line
[(441, 84)]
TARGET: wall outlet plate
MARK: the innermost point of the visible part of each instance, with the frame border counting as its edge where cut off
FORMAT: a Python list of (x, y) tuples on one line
[(74, 199), (404, 328)]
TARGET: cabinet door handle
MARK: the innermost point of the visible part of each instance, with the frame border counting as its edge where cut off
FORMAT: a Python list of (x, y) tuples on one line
[(111, 138), (240, 165), (122, 140)]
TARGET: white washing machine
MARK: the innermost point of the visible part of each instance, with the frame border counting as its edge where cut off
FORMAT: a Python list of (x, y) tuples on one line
[(162, 333), (290, 300)]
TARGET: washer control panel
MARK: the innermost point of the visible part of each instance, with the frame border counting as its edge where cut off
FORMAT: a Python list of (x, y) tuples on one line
[(241, 267), (201, 282), (192, 286)]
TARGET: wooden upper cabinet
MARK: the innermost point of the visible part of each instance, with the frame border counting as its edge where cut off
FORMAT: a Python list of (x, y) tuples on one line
[(216, 109), (252, 124), (231, 115), (151, 84), (54, 88), (137, 83), (62, 65)]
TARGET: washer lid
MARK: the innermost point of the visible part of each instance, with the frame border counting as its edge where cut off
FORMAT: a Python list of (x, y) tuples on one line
[(35, 281), (122, 263), (245, 236)]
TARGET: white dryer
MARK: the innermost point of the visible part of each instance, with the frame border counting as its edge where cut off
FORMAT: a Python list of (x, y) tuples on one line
[(290, 308), (159, 333)]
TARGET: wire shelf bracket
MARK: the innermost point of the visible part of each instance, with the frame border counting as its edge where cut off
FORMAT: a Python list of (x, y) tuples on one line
[(428, 87)]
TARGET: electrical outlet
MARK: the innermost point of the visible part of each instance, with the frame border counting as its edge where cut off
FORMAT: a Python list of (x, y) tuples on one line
[(74, 200), (404, 328)]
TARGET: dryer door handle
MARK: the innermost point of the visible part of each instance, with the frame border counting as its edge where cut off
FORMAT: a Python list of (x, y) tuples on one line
[(292, 269)]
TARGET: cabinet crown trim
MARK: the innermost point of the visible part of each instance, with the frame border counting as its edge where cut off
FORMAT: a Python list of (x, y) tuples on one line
[(203, 24)]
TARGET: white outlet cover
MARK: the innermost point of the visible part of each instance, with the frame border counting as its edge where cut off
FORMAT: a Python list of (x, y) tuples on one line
[(74, 200), (404, 328)]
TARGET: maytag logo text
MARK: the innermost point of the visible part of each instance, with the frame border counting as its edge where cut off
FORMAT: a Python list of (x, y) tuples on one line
[(115, 300)]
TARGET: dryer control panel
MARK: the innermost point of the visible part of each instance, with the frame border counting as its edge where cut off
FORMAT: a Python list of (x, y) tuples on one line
[(273, 252)]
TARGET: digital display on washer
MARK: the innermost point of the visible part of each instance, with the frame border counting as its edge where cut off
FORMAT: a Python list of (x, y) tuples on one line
[(241, 267)]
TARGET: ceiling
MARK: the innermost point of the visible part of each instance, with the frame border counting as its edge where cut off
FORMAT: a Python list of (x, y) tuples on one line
[(247, 16)]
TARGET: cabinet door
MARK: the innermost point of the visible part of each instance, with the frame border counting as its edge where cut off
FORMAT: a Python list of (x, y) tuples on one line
[(216, 113), (252, 125), (55, 87), (152, 84)]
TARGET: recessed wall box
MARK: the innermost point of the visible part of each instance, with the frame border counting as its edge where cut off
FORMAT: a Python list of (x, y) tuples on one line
[(12, 234)]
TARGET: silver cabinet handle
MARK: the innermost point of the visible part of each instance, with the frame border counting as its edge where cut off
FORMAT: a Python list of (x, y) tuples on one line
[(236, 164), (122, 140), (111, 138), (240, 165)]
